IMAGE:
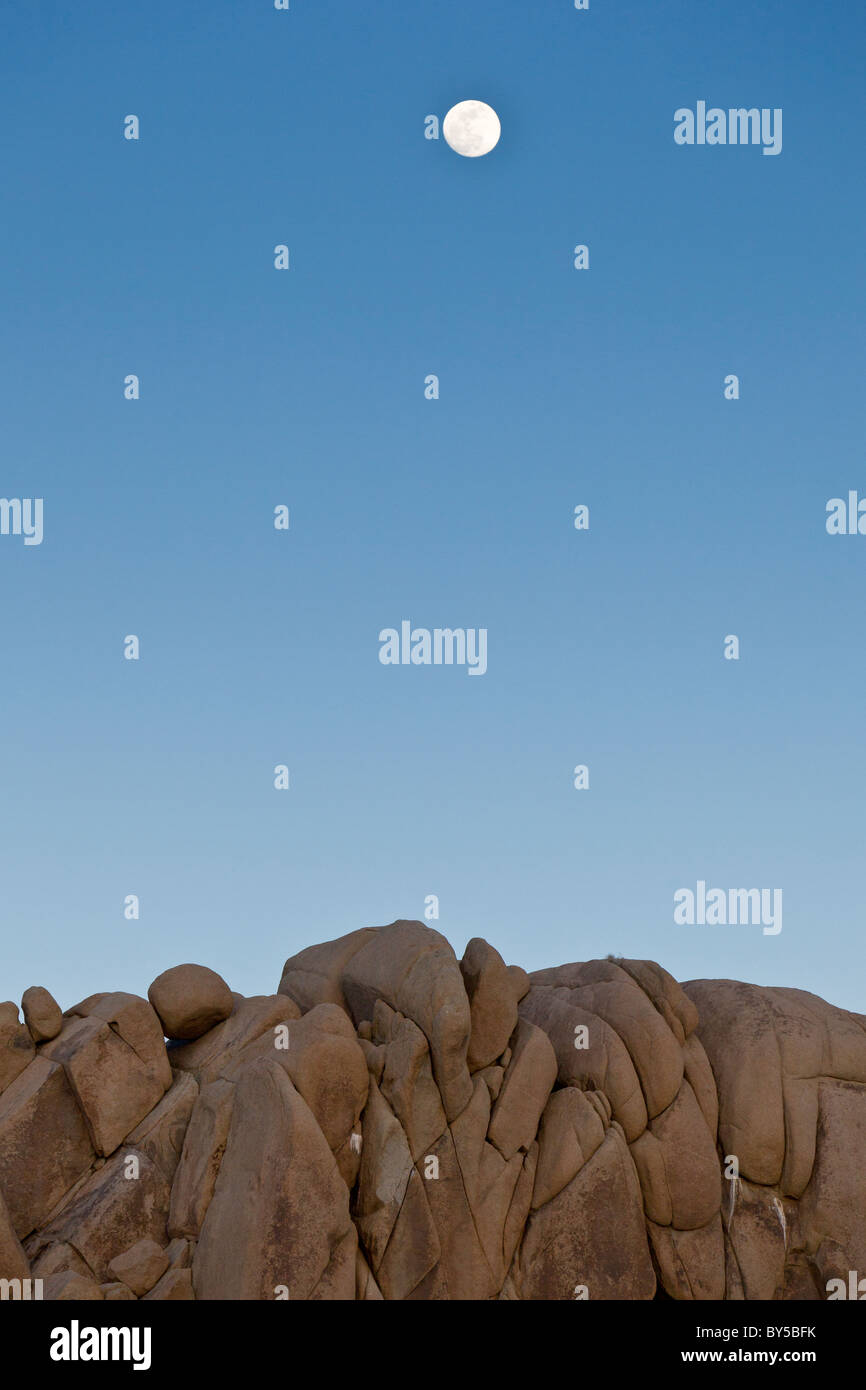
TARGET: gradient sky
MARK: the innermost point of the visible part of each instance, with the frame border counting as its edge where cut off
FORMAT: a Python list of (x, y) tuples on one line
[(306, 388)]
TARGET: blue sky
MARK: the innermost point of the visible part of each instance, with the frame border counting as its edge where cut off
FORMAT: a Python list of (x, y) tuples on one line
[(306, 387)]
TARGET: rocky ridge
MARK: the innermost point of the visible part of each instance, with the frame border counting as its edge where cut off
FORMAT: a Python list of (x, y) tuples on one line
[(395, 1123)]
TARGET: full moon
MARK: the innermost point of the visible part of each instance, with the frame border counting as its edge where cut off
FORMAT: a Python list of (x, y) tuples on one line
[(471, 128)]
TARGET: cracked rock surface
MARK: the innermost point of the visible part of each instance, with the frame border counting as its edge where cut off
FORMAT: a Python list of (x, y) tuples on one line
[(395, 1123)]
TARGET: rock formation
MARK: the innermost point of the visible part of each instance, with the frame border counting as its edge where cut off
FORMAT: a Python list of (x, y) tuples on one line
[(395, 1123)]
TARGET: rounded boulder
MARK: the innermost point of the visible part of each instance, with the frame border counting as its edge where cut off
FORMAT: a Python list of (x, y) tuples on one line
[(190, 1000), (42, 1014)]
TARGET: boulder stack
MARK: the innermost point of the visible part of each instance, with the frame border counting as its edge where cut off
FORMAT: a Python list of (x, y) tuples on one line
[(395, 1123)]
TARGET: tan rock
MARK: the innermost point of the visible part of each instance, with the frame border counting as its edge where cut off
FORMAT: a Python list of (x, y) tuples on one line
[(649, 1161), (572, 1242), (699, 1074), (464, 1271), (175, 1286), (280, 1208), (375, 1057), (801, 1280), (828, 1262), (390, 1193), (414, 970), (190, 1000), (518, 1212), (520, 982), (656, 1053), (833, 1205), (737, 1030), (603, 1065), (14, 1264), (366, 1288), (756, 1232), (338, 1279), (125, 1201), (493, 1078), (314, 976), (61, 1258), (413, 1251), (203, 1151), (17, 1049), (691, 1166), (139, 1267), (253, 1018), (666, 994), (44, 1144), (408, 1086), (800, 1103), (492, 1003), (349, 1152), (691, 1264), (432, 1288), (41, 1014), (114, 1086), (600, 1103), (382, 1023), (161, 1133), (489, 1182), (386, 1167), (817, 1038), (179, 1253), (525, 1088), (324, 1061), (136, 1024), (82, 1009), (71, 1288), (570, 1132)]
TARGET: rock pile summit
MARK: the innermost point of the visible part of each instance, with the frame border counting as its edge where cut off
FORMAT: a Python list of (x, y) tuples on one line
[(395, 1123)]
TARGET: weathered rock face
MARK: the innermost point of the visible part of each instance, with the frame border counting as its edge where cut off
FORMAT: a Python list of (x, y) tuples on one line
[(17, 1048), (398, 1124)]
